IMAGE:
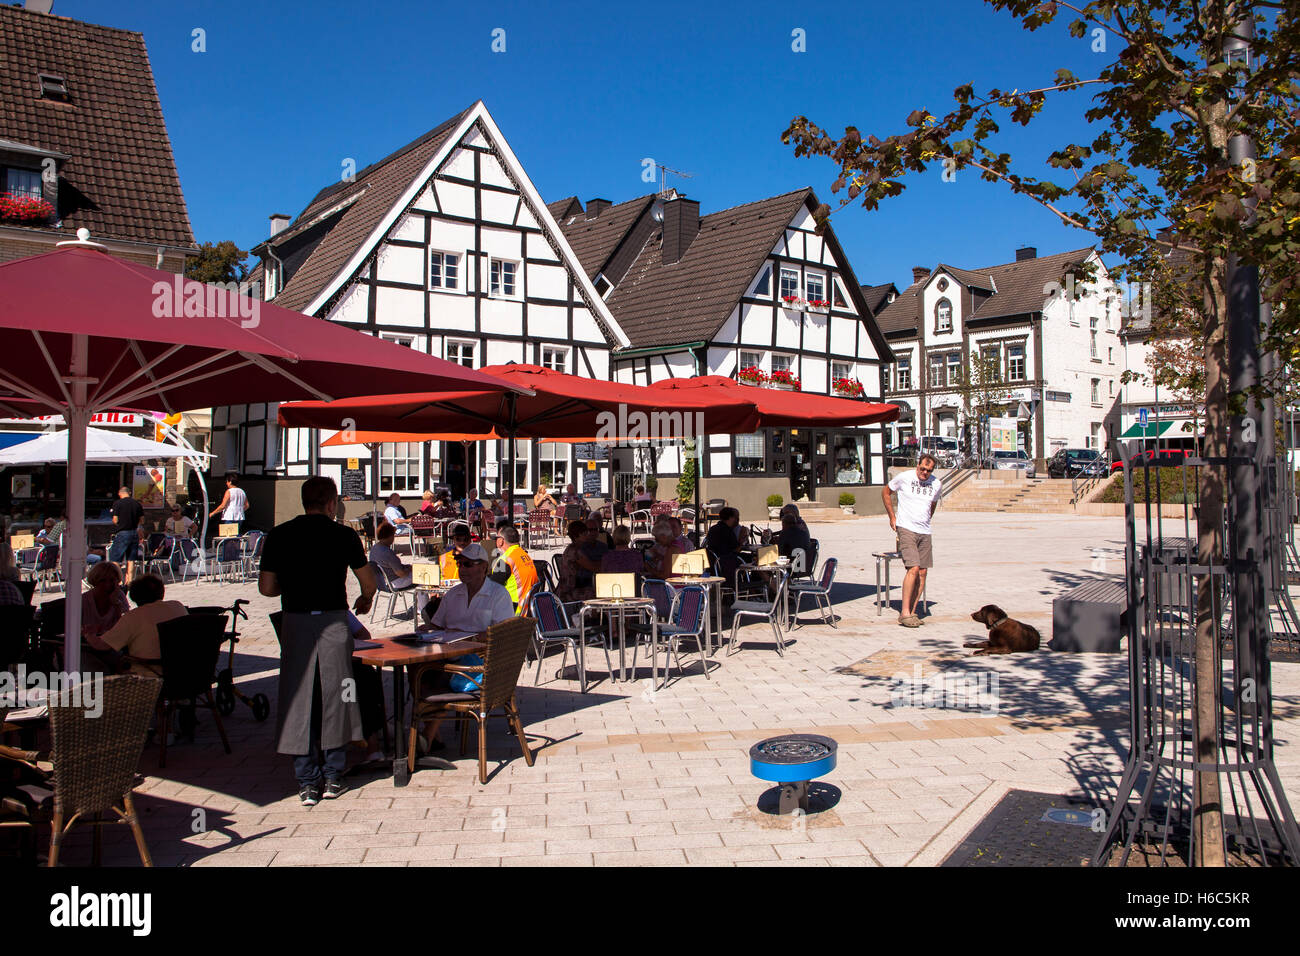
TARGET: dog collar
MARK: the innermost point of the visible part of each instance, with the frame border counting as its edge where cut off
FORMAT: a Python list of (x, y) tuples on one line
[(996, 623)]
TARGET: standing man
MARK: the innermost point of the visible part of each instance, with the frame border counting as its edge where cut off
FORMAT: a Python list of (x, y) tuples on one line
[(305, 563), (523, 573), (918, 495), (128, 518), (233, 507)]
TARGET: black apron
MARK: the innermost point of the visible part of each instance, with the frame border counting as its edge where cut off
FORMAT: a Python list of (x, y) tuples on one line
[(312, 644)]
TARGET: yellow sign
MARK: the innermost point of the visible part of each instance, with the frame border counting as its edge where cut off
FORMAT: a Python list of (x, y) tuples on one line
[(591, 466), (354, 463)]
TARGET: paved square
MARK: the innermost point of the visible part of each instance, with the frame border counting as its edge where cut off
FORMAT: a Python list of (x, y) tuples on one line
[(629, 776)]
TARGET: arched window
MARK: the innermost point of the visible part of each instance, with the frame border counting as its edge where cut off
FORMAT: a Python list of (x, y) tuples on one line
[(943, 316)]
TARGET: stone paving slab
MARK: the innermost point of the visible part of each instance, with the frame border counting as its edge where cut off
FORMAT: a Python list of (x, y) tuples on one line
[(629, 775)]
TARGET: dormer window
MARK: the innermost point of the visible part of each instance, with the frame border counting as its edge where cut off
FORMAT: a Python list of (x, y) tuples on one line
[(943, 316), (53, 86), (763, 287), (602, 285)]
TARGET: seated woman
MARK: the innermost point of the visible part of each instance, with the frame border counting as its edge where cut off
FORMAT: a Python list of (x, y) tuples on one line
[(101, 608), (623, 559), (576, 570), (659, 559), (642, 498), (136, 634), (542, 500), (429, 504)]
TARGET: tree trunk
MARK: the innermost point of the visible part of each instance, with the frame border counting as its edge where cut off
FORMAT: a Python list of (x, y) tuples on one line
[(1207, 802)]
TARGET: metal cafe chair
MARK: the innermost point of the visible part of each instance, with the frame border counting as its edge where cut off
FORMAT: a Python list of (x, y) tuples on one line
[(554, 627), (762, 610), (819, 590), (685, 621), (385, 586)]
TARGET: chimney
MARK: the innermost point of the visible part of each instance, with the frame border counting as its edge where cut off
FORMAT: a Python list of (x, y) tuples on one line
[(279, 222), (1026, 252), (919, 274), (681, 223), (596, 206)]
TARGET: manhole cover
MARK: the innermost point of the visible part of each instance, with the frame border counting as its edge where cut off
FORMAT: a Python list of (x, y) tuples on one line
[(1074, 818)]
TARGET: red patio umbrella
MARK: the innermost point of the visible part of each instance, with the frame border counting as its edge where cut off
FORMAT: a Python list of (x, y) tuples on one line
[(83, 332), (557, 406), (778, 408)]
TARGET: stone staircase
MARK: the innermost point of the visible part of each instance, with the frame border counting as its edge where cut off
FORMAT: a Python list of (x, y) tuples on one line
[(1012, 495)]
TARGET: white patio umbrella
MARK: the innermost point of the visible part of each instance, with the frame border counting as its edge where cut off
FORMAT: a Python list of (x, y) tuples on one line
[(101, 445)]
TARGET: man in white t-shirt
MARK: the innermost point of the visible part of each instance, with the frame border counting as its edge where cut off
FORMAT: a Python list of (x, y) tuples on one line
[(918, 495)]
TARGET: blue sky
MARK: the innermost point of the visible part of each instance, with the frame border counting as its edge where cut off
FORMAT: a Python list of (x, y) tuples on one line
[(285, 92)]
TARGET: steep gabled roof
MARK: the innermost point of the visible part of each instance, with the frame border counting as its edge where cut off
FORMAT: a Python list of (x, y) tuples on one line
[(901, 315), (877, 294), (119, 180), (595, 240), (561, 209), (1020, 284), (688, 301), (369, 197), (972, 279)]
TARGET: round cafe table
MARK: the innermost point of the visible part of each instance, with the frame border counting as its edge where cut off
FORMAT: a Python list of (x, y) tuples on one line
[(618, 608), (712, 596)]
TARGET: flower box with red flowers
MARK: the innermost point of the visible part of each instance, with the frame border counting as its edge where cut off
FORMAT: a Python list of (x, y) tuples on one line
[(819, 305), (752, 374), (847, 387), (792, 301), (25, 209), (783, 378)]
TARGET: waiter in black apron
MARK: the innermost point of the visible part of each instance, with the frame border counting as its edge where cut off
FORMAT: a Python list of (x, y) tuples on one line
[(305, 563)]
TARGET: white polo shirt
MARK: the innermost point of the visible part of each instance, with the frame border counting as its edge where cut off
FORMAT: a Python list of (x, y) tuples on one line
[(915, 500), (491, 605)]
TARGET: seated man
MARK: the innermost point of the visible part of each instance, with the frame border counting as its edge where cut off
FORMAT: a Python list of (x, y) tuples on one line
[(136, 633), (723, 541), (472, 608), (382, 554), (523, 573), (793, 534), (598, 542), (680, 540), (45, 534), (642, 498), (395, 515), (179, 525)]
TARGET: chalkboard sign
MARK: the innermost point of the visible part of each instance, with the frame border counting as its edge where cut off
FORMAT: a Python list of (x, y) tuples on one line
[(590, 451), (354, 483), (591, 483)]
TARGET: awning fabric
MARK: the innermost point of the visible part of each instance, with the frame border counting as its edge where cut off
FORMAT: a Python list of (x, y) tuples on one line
[(1150, 430)]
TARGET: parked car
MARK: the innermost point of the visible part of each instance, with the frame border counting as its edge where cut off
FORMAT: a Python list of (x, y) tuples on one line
[(1076, 462), (946, 451), (1164, 458), (900, 455), (1010, 461)]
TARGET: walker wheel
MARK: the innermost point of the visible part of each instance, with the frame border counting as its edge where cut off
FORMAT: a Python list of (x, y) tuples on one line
[(261, 707), (226, 681), (225, 701)]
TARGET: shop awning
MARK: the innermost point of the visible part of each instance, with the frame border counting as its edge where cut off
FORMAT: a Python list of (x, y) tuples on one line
[(1150, 430)]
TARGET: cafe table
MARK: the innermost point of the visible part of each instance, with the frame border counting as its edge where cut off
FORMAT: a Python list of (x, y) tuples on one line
[(399, 653), (618, 608), (712, 598)]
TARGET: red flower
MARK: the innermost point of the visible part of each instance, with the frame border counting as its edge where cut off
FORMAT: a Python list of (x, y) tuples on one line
[(25, 208), (752, 373)]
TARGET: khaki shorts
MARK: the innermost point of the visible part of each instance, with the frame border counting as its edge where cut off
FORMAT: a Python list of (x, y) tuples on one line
[(916, 549)]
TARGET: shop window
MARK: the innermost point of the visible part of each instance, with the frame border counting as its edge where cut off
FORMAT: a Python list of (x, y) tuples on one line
[(748, 454)]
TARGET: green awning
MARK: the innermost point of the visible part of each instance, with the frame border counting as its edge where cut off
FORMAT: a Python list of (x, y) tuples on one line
[(1150, 430)]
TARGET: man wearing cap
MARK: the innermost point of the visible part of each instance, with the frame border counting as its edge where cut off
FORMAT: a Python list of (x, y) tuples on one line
[(478, 603)]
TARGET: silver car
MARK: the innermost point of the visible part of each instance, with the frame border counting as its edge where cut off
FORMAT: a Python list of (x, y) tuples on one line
[(1012, 461)]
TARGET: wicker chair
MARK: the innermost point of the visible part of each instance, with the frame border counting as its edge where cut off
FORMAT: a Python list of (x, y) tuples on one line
[(503, 659), (95, 760)]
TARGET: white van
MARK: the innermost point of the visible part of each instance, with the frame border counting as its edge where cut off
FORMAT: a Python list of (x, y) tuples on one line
[(947, 451)]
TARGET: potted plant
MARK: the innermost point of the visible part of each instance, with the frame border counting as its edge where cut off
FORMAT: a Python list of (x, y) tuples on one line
[(783, 378), (847, 387), (774, 503), (847, 501), (25, 209), (752, 375)]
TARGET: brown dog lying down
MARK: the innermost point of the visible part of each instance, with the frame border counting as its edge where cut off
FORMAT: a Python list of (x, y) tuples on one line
[(1005, 635)]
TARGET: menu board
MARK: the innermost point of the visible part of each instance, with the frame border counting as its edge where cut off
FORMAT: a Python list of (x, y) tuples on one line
[(354, 483), (590, 451)]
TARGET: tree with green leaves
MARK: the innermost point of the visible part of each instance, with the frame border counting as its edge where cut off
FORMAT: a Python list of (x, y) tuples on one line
[(1157, 185), (982, 393), (217, 262)]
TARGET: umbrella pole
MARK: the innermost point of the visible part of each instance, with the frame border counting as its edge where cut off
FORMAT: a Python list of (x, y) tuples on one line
[(374, 495), (510, 487), (74, 556), (699, 477)]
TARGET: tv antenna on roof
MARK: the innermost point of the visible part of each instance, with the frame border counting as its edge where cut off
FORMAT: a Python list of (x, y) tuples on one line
[(663, 177)]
